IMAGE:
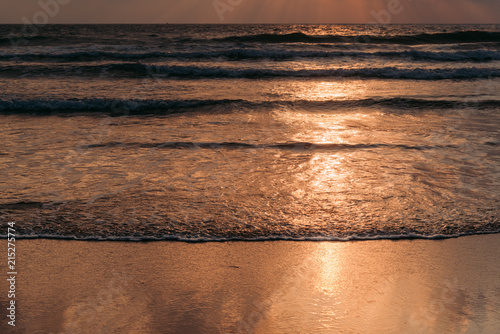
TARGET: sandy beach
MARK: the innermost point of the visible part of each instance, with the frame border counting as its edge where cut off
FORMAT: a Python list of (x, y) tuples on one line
[(382, 286)]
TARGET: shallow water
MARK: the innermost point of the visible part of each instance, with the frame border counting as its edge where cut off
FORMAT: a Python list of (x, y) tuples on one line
[(251, 132)]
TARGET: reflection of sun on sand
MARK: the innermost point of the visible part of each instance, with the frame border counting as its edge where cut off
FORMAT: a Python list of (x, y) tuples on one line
[(381, 286)]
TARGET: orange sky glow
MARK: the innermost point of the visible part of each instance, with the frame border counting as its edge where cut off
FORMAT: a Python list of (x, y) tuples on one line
[(250, 11)]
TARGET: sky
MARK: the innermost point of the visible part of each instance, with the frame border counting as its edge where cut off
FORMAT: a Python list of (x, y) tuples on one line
[(249, 11)]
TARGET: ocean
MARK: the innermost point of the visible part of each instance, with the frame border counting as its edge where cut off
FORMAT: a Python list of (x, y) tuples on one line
[(250, 132)]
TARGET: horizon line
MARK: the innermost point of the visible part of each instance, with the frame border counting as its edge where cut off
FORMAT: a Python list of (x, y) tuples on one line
[(221, 23)]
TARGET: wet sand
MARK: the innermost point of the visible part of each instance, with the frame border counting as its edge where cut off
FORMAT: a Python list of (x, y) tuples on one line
[(383, 286)]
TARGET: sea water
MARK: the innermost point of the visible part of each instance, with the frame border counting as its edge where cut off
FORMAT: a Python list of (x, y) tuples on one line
[(250, 132)]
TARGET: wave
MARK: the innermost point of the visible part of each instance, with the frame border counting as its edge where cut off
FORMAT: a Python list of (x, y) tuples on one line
[(385, 73), (136, 238), (425, 38), (106, 36), (160, 107), (296, 146), (20, 39), (139, 70), (256, 54), (112, 106)]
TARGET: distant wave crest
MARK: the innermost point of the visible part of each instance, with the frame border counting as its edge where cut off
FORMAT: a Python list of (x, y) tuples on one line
[(159, 107), (256, 54), (435, 38), (139, 70)]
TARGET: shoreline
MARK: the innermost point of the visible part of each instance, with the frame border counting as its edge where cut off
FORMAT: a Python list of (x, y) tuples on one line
[(407, 237), (409, 286)]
